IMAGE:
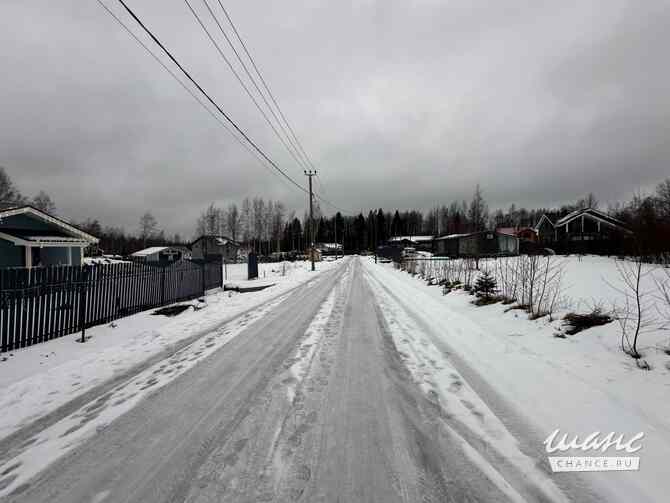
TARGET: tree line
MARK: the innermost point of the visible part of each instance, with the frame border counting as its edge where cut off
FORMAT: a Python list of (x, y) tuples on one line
[(267, 226)]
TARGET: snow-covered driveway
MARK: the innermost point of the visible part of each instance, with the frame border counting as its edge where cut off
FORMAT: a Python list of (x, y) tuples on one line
[(342, 390)]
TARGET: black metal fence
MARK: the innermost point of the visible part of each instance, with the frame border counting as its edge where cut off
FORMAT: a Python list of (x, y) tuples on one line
[(40, 304)]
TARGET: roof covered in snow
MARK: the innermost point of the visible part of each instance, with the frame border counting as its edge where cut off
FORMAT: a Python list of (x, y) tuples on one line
[(150, 251), (219, 240), (329, 246), (453, 236), (416, 239)]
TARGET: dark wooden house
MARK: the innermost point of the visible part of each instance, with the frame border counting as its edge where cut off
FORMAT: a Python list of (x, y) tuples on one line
[(476, 244), (583, 231)]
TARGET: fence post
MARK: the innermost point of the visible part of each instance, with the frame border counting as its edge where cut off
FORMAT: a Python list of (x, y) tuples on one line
[(204, 265), (83, 283), (163, 285)]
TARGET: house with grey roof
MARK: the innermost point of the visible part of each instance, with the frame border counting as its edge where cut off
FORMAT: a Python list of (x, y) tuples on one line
[(33, 238)]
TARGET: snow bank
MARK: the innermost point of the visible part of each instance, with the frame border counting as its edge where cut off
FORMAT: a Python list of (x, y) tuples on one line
[(581, 384)]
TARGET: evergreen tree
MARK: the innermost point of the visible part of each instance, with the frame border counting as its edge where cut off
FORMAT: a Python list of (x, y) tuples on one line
[(486, 285)]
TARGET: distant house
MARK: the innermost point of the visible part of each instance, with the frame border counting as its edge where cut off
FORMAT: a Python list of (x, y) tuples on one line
[(527, 233), (476, 244), (158, 254), (214, 249), (32, 238), (587, 230), (424, 243), (329, 248)]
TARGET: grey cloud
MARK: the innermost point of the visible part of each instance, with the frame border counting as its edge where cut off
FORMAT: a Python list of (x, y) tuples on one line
[(398, 104)]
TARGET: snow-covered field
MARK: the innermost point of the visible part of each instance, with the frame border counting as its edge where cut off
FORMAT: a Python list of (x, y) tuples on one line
[(35, 381), (579, 384)]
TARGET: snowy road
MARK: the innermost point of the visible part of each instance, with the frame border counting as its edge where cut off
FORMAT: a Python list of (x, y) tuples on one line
[(310, 402)]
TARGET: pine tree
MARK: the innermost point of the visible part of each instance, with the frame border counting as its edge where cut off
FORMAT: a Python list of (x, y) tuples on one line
[(486, 285)]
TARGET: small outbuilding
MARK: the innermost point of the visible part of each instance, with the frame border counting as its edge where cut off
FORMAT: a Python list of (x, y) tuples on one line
[(158, 255), (33, 238), (209, 248)]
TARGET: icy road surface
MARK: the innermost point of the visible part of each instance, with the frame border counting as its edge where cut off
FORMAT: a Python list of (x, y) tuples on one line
[(310, 401)]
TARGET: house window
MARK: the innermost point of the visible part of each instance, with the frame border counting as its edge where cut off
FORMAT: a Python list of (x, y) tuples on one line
[(36, 256)]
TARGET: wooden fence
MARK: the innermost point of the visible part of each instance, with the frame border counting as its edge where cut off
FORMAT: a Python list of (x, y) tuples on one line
[(40, 304)]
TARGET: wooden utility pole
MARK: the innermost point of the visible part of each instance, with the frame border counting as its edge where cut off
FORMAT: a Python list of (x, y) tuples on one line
[(310, 174), (336, 236)]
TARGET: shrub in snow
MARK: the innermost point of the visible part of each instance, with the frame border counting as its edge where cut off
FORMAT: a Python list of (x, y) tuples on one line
[(532, 280), (575, 323), (633, 314), (663, 296)]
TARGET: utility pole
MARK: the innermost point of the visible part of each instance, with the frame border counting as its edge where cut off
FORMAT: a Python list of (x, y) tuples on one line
[(310, 174), (336, 236)]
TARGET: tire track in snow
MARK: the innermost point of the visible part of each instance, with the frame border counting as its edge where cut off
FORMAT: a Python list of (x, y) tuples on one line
[(71, 431), (484, 437)]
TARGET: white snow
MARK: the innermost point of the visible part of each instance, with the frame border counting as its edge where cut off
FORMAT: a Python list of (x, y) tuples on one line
[(266, 270), (581, 384), (36, 380), (104, 259), (63, 436)]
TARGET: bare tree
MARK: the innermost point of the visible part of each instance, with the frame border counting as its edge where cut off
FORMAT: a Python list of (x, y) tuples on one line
[(9, 194), (267, 223), (633, 316), (209, 222), (148, 227), (233, 221), (663, 295), (246, 220), (278, 223), (663, 198), (549, 287), (43, 202), (258, 215), (588, 201), (478, 211)]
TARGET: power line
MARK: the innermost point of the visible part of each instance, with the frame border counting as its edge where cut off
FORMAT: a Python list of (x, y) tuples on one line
[(239, 79), (221, 111), (250, 145), (269, 92), (186, 88), (252, 79), (265, 85)]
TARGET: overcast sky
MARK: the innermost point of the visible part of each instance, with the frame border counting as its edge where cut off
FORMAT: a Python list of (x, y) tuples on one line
[(399, 104)]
